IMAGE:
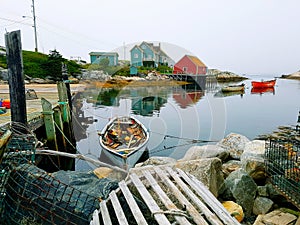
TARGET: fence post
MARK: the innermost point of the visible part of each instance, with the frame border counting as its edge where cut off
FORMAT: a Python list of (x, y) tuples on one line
[(15, 78)]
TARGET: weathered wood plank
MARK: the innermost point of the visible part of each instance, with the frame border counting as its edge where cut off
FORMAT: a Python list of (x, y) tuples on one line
[(105, 213), (153, 207), (138, 215), (208, 197), (95, 220), (165, 199), (213, 219), (49, 124), (118, 209), (16, 78), (181, 198)]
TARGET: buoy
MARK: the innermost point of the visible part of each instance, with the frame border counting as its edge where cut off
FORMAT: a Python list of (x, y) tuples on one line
[(6, 103)]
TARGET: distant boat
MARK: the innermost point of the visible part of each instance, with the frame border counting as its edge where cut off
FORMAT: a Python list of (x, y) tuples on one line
[(231, 88), (263, 84), (124, 140)]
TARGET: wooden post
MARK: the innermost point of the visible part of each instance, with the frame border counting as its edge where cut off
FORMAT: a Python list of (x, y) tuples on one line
[(49, 124), (15, 77), (67, 83), (51, 163), (67, 123)]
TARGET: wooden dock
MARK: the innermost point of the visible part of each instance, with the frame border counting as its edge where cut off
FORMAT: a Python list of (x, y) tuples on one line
[(34, 106), (162, 196)]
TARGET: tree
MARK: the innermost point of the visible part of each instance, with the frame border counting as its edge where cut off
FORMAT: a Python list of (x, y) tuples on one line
[(53, 65)]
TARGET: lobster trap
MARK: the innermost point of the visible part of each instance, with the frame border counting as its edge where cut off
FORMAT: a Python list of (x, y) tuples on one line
[(282, 160), (30, 195)]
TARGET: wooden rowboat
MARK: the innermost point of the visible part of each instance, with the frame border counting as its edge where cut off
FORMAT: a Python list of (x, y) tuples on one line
[(124, 140), (263, 84), (231, 88)]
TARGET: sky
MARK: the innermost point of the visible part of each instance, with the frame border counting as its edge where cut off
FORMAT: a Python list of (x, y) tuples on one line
[(240, 36)]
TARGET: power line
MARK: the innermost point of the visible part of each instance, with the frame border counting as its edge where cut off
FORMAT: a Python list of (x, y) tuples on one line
[(14, 22)]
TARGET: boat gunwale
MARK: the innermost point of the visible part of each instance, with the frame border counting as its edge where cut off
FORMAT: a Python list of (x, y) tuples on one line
[(135, 149)]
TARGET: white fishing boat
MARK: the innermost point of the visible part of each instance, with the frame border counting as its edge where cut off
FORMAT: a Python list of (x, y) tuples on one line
[(232, 88), (124, 140)]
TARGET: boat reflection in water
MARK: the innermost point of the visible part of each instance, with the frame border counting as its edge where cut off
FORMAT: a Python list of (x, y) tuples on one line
[(227, 94), (263, 90)]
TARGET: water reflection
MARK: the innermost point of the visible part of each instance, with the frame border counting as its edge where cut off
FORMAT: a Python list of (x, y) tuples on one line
[(263, 90), (187, 95), (147, 106), (227, 94), (80, 122)]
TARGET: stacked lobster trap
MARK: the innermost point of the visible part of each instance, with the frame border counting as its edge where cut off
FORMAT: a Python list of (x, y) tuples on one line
[(282, 160)]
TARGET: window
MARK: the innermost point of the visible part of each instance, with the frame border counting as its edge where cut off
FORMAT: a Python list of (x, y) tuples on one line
[(184, 69), (136, 55)]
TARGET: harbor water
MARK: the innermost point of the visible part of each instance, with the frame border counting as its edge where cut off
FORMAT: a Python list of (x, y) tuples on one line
[(183, 116)]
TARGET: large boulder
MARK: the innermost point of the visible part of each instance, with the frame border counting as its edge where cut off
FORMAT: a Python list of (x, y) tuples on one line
[(262, 205), (156, 160), (230, 166), (235, 144), (240, 187), (3, 74), (205, 151), (253, 159), (208, 171)]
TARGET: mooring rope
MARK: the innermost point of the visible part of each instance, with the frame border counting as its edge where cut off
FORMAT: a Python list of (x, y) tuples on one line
[(79, 156), (64, 135), (184, 138)]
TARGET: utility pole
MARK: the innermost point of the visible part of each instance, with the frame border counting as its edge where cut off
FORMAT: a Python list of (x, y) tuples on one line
[(34, 26)]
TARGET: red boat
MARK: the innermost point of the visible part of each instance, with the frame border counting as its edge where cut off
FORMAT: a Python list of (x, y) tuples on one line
[(263, 84)]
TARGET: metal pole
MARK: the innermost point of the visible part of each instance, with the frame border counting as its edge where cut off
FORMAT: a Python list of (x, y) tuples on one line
[(34, 26)]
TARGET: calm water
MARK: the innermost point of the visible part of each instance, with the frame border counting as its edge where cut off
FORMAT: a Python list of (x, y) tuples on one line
[(180, 117)]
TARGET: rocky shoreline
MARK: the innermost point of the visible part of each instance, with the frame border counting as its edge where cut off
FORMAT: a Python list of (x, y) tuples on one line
[(234, 171), (295, 76)]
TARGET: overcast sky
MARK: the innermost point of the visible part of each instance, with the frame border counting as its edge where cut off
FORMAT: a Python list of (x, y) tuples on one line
[(245, 37)]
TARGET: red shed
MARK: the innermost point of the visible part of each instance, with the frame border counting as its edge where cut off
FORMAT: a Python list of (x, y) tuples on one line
[(189, 64)]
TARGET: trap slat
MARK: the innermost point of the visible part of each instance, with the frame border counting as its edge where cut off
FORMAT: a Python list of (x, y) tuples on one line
[(138, 215), (153, 207), (207, 196), (181, 198), (105, 213), (213, 219), (171, 195), (118, 209), (165, 199), (95, 218)]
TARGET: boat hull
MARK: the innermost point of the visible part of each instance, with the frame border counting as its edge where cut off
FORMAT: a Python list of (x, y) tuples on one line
[(125, 162), (129, 153), (263, 84), (233, 88)]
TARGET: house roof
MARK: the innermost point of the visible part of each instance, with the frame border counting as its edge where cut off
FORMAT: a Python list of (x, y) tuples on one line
[(155, 49), (136, 46), (104, 53), (196, 60)]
